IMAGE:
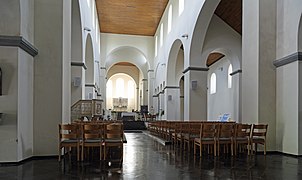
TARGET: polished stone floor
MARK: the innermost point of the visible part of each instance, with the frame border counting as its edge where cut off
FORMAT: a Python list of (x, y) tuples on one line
[(146, 158)]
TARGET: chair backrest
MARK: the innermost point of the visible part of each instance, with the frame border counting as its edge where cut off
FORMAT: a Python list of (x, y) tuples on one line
[(92, 131), (68, 131), (114, 131), (208, 130), (226, 130), (243, 130), (195, 128), (259, 130)]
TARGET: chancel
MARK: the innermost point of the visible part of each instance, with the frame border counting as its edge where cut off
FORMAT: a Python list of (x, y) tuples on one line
[(157, 89)]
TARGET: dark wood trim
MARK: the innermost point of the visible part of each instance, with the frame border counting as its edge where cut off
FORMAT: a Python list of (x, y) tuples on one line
[(80, 64), (297, 56), (90, 85), (195, 69), (171, 87), (19, 41), (182, 97), (236, 72)]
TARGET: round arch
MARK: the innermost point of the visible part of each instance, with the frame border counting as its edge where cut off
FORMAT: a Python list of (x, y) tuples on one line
[(76, 33), (200, 30), (130, 74), (128, 54), (300, 35), (132, 101), (89, 61), (175, 63), (229, 54)]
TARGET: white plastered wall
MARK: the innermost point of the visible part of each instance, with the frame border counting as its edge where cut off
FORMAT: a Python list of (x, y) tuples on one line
[(16, 103), (288, 77)]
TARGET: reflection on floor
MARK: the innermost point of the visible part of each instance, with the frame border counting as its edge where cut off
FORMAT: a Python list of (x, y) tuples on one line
[(145, 158)]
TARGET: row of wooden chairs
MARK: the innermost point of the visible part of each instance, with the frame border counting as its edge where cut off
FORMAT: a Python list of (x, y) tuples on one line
[(213, 134), (83, 135)]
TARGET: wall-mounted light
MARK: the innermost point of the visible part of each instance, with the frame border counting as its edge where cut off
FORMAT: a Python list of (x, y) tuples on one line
[(186, 36), (87, 29)]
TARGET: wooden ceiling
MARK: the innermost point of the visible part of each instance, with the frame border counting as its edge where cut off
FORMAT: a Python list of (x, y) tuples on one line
[(135, 17), (214, 57), (230, 11), (141, 17)]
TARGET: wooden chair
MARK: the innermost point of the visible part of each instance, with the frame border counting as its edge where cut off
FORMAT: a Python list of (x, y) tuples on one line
[(92, 137), (258, 136), (113, 137), (242, 137), (207, 137), (194, 130), (225, 136), (184, 131), (69, 137)]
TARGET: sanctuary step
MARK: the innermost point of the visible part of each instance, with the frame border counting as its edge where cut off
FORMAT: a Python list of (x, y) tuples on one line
[(134, 125)]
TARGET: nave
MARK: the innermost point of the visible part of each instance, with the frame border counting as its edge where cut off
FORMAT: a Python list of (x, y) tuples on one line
[(147, 158)]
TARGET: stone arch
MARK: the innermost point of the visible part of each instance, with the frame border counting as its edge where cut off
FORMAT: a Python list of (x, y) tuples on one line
[(131, 55), (199, 32), (300, 35), (175, 63), (89, 61), (76, 33), (131, 74), (131, 101), (232, 57)]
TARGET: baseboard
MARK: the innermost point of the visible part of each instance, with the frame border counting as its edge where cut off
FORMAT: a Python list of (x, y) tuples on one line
[(27, 160)]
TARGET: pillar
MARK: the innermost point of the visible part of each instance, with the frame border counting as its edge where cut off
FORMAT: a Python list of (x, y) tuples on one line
[(258, 73), (172, 106), (195, 98)]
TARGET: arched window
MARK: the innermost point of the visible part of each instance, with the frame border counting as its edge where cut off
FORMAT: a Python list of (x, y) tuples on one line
[(161, 34), (156, 39), (181, 6), (170, 19), (130, 89), (213, 84), (119, 87), (230, 70), (109, 89)]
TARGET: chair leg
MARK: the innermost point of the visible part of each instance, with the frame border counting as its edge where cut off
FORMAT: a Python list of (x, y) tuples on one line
[(200, 150), (59, 154), (194, 149)]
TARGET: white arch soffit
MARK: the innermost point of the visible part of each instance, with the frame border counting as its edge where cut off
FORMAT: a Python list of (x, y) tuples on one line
[(136, 83), (171, 65), (201, 28), (156, 74), (123, 74), (77, 32), (128, 54), (232, 57), (300, 35)]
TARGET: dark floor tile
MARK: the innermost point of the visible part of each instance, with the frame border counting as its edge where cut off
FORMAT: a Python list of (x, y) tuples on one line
[(145, 158)]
